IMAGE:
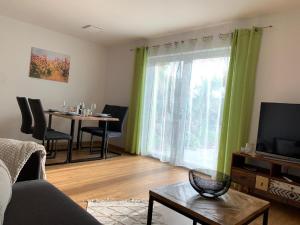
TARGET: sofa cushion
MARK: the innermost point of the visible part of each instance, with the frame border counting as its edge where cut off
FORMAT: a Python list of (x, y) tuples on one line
[(5, 189), (40, 203)]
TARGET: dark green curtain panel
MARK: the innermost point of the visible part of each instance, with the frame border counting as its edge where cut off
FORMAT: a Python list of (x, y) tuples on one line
[(239, 94), (136, 104)]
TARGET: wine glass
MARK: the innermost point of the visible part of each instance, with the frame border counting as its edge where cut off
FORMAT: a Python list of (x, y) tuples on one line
[(93, 108), (64, 106)]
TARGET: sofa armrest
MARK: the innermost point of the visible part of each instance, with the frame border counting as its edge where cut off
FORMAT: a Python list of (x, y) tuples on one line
[(32, 168)]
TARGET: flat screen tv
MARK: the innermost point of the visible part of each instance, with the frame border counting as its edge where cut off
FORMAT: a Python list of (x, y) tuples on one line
[(279, 131)]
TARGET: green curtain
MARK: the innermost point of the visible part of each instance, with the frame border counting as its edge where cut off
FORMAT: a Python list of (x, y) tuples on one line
[(239, 94), (136, 103)]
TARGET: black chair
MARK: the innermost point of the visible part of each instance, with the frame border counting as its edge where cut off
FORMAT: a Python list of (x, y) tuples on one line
[(26, 126), (114, 129), (40, 130)]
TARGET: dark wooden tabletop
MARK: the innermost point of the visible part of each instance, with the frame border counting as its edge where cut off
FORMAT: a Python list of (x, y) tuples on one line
[(233, 208), (78, 117)]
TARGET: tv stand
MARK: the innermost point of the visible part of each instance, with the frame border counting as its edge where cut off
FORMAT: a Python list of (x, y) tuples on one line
[(264, 176), (277, 158)]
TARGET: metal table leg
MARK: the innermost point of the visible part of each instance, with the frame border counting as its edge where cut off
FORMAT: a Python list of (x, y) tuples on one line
[(69, 154), (49, 127), (266, 217), (104, 139), (78, 135), (150, 211)]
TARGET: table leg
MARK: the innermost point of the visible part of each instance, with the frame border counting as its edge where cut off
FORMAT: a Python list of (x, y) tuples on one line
[(104, 138), (69, 154), (150, 211), (48, 146), (49, 127), (50, 121), (266, 217), (78, 134)]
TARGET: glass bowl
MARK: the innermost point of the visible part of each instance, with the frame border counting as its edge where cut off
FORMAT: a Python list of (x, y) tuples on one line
[(209, 183)]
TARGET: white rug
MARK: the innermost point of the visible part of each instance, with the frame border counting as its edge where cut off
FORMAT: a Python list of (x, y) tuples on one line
[(133, 212)]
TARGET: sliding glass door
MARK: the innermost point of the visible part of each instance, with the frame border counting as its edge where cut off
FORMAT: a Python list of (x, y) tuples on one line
[(182, 107)]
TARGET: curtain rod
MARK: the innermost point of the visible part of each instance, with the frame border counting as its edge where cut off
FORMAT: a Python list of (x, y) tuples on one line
[(209, 37)]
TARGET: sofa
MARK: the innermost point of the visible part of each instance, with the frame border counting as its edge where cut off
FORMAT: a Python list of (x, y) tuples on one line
[(37, 202)]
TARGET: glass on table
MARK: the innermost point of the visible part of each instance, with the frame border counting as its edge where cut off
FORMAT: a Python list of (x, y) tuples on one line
[(93, 108), (64, 106)]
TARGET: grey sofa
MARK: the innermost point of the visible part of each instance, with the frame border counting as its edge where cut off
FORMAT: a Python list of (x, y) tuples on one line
[(37, 202)]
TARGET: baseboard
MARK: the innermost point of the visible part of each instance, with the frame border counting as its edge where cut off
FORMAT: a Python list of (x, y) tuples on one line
[(63, 145)]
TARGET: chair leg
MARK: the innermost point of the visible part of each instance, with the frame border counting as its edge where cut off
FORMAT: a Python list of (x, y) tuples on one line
[(80, 145), (106, 147), (50, 154), (116, 153), (55, 149), (52, 147), (80, 141), (48, 149), (91, 143)]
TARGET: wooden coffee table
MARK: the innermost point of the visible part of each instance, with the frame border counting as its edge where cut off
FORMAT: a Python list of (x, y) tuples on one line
[(232, 208)]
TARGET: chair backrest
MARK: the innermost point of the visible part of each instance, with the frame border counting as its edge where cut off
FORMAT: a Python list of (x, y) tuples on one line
[(116, 112), (40, 122), (26, 126)]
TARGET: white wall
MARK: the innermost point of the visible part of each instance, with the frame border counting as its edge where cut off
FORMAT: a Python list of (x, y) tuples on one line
[(278, 76), (120, 62), (278, 72), (86, 81)]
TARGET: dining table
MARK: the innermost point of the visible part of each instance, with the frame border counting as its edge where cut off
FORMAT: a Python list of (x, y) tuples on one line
[(79, 118)]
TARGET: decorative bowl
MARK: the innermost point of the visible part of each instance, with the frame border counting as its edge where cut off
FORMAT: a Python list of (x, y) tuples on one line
[(209, 183)]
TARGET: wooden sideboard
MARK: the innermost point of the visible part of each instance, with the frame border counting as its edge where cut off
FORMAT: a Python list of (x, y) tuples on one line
[(265, 177)]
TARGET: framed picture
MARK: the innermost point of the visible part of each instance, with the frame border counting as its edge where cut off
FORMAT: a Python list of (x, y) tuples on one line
[(49, 65)]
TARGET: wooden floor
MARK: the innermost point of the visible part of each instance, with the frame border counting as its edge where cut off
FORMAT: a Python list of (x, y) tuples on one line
[(127, 177)]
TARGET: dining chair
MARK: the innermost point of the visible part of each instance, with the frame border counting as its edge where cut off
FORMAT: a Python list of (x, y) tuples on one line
[(26, 126), (114, 129), (40, 130)]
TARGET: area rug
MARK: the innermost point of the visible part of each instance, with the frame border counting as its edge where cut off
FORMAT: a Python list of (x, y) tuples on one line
[(129, 212), (133, 212)]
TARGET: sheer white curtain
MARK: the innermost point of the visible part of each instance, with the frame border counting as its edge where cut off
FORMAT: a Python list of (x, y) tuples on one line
[(184, 92)]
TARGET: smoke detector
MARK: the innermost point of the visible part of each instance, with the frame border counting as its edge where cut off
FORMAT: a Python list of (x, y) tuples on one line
[(92, 28)]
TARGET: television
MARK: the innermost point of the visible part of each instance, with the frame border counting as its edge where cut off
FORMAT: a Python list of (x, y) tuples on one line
[(279, 131)]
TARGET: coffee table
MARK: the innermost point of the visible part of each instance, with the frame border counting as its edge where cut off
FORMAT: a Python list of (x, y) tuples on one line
[(232, 208)]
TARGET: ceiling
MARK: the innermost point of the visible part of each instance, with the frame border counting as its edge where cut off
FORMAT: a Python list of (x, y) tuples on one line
[(125, 20)]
